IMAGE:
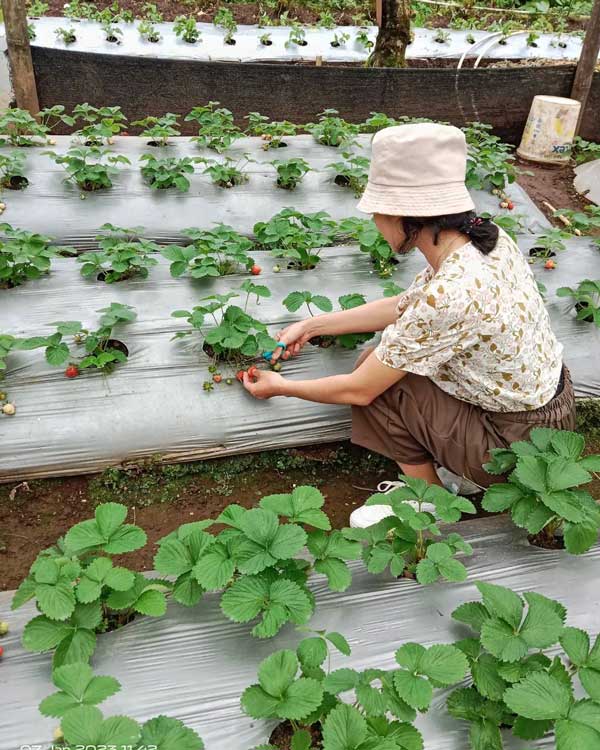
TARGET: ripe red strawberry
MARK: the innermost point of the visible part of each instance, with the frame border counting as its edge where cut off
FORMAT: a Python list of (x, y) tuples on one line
[(217, 378), (550, 264), (255, 270), (240, 376), (72, 371), (510, 206), (252, 372), (1, 651)]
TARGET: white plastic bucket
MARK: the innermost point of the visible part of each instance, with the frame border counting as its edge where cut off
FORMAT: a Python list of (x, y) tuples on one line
[(550, 129)]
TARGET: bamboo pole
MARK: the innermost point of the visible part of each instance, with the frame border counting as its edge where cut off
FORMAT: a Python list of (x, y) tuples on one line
[(19, 55), (587, 62)]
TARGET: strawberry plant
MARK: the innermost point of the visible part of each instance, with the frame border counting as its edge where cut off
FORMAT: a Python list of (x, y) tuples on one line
[(441, 36), (214, 252), (12, 171), (512, 225), (91, 168), (102, 124), (216, 128), (391, 289), (290, 172), (272, 133), (121, 256), (148, 31), (489, 160), (7, 344), (297, 37), (80, 592), (352, 173), (159, 129), (25, 256), (291, 234), (346, 708), (549, 243), (255, 560), (228, 173), (224, 19), (363, 39), (331, 130), (370, 241), (19, 128), (377, 121), (187, 29), (236, 337), (83, 725), (112, 33), (586, 300), (409, 541), (542, 490), (67, 36), (339, 39), (167, 172), (515, 684), (583, 150), (101, 350), (295, 300)]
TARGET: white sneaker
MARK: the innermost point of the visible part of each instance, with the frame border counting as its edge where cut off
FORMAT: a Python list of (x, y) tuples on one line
[(369, 515)]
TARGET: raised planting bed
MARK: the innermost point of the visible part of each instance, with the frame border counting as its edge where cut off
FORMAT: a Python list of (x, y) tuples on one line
[(193, 664), (340, 44), (152, 86)]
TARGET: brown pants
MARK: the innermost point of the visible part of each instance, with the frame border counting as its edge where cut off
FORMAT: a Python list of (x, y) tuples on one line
[(415, 422)]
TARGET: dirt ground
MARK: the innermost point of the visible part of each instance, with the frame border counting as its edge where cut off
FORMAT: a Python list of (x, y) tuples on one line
[(553, 185)]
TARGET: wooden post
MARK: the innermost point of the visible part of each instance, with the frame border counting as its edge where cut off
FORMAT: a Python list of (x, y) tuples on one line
[(587, 61), (19, 55), (378, 12)]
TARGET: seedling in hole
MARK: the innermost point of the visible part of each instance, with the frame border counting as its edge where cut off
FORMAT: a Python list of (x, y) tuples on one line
[(215, 252), (228, 173), (291, 234), (66, 35), (370, 241), (187, 29), (340, 39), (532, 39), (352, 173), (290, 172), (217, 130), (409, 541), (12, 171), (91, 168), (159, 129), (265, 39), (441, 36), (112, 33), (224, 18), (149, 32), (102, 123), (586, 300), (297, 37), (272, 133), (122, 255), (332, 130), (102, 351), (236, 337), (162, 174), (470, 39), (362, 38), (19, 128), (25, 256), (549, 243)]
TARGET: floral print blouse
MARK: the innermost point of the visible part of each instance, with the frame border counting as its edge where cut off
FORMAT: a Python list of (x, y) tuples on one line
[(478, 328)]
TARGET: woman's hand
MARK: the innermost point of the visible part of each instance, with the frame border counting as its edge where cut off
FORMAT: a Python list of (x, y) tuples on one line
[(294, 337), (265, 385)]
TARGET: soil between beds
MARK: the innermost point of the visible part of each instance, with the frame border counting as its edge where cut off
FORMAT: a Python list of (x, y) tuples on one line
[(34, 515)]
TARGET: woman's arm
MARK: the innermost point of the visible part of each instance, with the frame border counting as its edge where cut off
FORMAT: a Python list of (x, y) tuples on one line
[(358, 388), (374, 316)]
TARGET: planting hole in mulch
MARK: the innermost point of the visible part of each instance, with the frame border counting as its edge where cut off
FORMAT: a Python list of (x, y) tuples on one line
[(579, 306), (118, 345), (324, 342), (266, 42), (541, 252), (117, 620), (230, 41), (545, 541), (16, 182), (281, 736), (342, 180), (293, 266)]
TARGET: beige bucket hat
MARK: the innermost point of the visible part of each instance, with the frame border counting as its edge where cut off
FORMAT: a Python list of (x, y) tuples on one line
[(417, 170)]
